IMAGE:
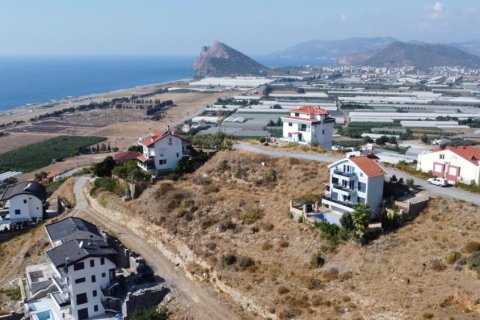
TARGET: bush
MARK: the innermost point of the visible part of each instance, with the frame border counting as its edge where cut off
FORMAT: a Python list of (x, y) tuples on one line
[(473, 261), (270, 176), (252, 216), (150, 314), (222, 165), (104, 168), (108, 184), (262, 139), (346, 221), (437, 265), (317, 261), (452, 257), (283, 243), (229, 259), (226, 224), (471, 246), (283, 290), (245, 262)]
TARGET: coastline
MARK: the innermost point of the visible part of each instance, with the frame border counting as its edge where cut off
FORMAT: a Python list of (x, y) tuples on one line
[(30, 110)]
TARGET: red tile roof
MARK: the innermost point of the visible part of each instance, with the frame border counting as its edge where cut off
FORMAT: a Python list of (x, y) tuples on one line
[(368, 166), (310, 110), (302, 119), (470, 153), (157, 135), (126, 156), (142, 158)]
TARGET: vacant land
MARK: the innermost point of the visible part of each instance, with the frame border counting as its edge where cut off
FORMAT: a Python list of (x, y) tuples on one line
[(38, 155), (236, 205)]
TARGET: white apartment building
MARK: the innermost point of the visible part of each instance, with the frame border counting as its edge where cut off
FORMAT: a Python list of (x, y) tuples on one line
[(25, 201), (161, 150), (460, 164), (358, 179), (308, 125)]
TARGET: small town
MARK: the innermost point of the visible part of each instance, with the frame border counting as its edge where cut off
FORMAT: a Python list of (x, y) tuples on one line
[(332, 179)]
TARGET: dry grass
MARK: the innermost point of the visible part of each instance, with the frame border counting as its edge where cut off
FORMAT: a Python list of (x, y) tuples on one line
[(65, 191), (402, 275)]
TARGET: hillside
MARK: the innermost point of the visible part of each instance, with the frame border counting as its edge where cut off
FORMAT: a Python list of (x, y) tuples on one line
[(333, 49), (220, 60), (236, 205), (421, 55)]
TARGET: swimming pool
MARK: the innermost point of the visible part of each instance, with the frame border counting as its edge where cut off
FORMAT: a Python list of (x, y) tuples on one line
[(44, 315)]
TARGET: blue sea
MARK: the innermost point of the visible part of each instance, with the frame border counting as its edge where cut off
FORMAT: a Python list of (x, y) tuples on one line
[(28, 80)]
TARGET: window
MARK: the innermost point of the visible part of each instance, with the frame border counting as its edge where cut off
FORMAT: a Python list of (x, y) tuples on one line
[(323, 131), (178, 154), (95, 308), (290, 124), (170, 141), (442, 156), (17, 211), (78, 266), (24, 200), (83, 313), (79, 280), (92, 263), (162, 161), (94, 278), (94, 293), (360, 200), (297, 114), (104, 274), (102, 260), (82, 298)]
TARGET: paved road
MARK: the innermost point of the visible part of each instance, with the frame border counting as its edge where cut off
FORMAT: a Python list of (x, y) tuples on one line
[(201, 301), (450, 192)]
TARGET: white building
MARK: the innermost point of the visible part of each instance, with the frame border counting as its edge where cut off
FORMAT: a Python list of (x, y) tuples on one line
[(460, 164), (162, 150), (308, 125), (25, 201), (82, 270), (75, 282), (358, 179)]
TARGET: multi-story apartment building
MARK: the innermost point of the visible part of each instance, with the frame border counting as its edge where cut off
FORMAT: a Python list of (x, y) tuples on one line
[(309, 125), (358, 179)]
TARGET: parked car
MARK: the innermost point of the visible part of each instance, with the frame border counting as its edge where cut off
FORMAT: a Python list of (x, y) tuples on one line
[(441, 182)]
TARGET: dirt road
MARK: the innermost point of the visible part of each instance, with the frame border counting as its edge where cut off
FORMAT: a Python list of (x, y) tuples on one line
[(201, 301)]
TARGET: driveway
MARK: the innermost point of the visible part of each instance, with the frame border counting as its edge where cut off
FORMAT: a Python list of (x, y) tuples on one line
[(448, 192)]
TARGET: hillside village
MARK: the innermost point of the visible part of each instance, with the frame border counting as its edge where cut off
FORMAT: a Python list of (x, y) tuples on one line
[(303, 196)]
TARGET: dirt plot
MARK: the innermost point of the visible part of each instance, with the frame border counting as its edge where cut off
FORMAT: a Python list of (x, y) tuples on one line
[(236, 205), (17, 140)]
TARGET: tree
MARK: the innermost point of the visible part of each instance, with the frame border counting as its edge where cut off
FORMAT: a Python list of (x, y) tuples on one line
[(39, 176), (135, 148), (150, 314), (104, 168), (346, 221), (268, 89), (361, 217)]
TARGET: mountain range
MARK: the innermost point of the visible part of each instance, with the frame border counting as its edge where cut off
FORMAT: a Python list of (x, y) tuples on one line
[(386, 51)]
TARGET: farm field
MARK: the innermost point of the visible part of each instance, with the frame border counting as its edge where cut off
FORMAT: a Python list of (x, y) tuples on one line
[(41, 154)]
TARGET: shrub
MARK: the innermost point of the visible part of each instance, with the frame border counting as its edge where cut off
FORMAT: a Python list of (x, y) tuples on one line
[(267, 246), (452, 257), (346, 221), (300, 219), (330, 274), (262, 139), (222, 165), (283, 290), (270, 176), (268, 226), (150, 314), (229, 259), (226, 224), (473, 261), (471, 246), (252, 215), (283, 243), (108, 184), (245, 262), (437, 265), (293, 161), (317, 261)]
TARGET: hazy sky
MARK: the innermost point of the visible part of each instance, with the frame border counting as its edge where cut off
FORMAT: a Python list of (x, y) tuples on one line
[(38, 27)]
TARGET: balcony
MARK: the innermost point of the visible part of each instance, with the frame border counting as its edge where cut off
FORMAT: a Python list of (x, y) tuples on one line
[(61, 283), (341, 205), (343, 190), (349, 175)]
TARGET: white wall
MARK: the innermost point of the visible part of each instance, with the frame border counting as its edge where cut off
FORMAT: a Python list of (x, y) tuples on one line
[(468, 171), (77, 235), (170, 148), (30, 207), (313, 133), (88, 286), (375, 193)]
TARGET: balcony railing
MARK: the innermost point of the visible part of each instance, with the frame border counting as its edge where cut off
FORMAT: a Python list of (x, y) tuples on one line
[(348, 204), (344, 174), (61, 283), (342, 188)]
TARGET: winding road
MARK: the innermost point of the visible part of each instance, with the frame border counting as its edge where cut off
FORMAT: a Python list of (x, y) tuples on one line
[(201, 301), (448, 192)]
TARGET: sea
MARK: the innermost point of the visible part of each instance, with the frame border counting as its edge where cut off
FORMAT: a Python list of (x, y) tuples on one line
[(31, 80)]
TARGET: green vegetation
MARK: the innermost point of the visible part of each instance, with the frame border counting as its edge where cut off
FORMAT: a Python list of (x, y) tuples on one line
[(252, 215), (350, 143), (108, 184), (104, 168), (317, 261), (13, 293), (472, 187), (150, 314), (131, 172), (38, 155)]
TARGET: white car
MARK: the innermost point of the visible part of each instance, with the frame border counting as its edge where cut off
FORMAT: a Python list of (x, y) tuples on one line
[(441, 182)]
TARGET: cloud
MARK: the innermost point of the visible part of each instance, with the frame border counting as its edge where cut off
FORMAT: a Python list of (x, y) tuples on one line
[(469, 11), (343, 18), (435, 11)]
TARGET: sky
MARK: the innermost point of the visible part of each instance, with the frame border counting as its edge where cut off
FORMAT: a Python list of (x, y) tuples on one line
[(258, 27)]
